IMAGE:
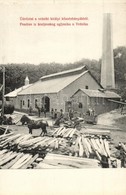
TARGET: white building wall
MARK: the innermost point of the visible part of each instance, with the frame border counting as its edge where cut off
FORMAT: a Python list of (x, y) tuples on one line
[(82, 82), (53, 101), (57, 100)]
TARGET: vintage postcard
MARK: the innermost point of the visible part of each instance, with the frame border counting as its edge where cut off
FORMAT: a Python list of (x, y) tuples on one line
[(62, 97)]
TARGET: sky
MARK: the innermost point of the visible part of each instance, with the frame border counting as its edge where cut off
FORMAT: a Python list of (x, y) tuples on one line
[(61, 44)]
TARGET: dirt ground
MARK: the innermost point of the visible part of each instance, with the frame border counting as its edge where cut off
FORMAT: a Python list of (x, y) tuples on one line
[(112, 121), (117, 122)]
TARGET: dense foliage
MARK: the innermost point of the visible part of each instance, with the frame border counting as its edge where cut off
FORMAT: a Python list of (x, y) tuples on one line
[(16, 73)]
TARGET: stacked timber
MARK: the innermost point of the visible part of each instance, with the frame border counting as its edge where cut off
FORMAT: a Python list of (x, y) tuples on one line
[(83, 143), (64, 132), (28, 143), (71, 132), (16, 160), (93, 131), (4, 130), (25, 151), (90, 147), (61, 161)]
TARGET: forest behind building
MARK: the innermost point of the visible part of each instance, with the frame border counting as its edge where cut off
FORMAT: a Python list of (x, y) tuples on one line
[(16, 73)]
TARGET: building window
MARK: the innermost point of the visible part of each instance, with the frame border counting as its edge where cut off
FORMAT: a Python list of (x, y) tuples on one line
[(20, 104), (88, 100), (28, 103), (7, 98), (86, 87), (80, 105), (23, 102)]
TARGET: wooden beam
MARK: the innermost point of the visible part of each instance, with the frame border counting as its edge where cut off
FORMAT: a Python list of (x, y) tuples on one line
[(119, 102), (3, 92)]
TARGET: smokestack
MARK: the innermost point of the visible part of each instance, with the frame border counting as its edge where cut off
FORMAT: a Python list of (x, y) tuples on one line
[(107, 67)]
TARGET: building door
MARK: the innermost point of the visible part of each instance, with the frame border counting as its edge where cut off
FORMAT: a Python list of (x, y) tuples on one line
[(68, 106), (46, 103)]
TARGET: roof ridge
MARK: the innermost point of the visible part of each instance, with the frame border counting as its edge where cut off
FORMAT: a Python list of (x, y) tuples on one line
[(64, 72)]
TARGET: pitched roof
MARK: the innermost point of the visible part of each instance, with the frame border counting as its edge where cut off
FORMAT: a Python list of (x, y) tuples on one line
[(64, 73), (16, 91), (53, 85), (98, 93)]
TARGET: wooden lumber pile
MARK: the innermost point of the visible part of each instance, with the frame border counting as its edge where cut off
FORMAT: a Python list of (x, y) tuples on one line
[(64, 132), (16, 160), (64, 142), (62, 161), (27, 143), (24, 151), (70, 132), (3, 130), (83, 143), (90, 147), (93, 131)]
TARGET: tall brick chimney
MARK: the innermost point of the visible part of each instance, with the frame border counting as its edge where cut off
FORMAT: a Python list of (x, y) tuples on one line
[(107, 67)]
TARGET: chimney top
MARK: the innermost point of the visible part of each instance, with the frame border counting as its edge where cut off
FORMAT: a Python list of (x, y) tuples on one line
[(26, 80)]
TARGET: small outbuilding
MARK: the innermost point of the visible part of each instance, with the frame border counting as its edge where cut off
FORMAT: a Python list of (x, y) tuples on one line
[(12, 96), (98, 100)]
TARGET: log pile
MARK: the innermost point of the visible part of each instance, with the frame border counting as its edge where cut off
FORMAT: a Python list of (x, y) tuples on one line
[(64, 132), (25, 151), (16, 160), (61, 161), (4, 130), (71, 132), (90, 147), (28, 143), (83, 144)]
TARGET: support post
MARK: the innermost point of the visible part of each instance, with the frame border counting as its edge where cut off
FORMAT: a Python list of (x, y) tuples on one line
[(3, 92)]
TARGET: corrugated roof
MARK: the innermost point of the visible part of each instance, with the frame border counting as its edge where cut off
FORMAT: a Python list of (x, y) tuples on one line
[(53, 85), (98, 93), (16, 91)]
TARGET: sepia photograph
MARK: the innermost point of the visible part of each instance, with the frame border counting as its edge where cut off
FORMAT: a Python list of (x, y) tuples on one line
[(62, 85)]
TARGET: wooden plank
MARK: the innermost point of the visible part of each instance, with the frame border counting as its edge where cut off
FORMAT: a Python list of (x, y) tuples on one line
[(45, 166), (95, 131), (65, 157), (6, 129), (3, 151), (102, 128), (68, 161), (20, 161), (7, 159), (18, 166), (5, 155), (71, 164), (12, 162), (30, 161), (119, 102), (6, 135)]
